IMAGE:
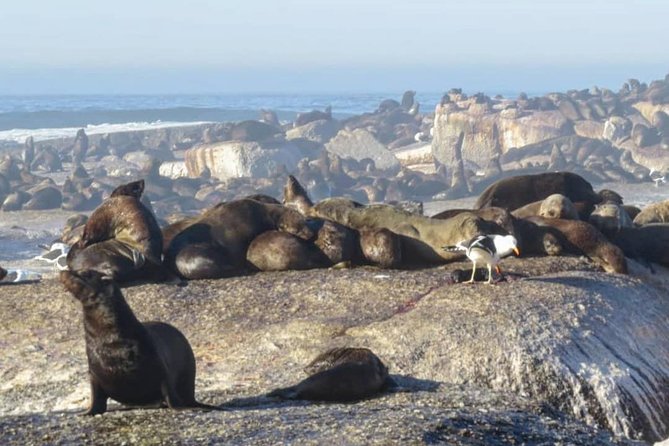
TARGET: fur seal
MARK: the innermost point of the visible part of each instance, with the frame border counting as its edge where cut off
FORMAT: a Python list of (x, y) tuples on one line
[(215, 244), (421, 237), (646, 243), (381, 247), (121, 238), (514, 192), (131, 362), (609, 218), (3, 273), (579, 237), (337, 242), (340, 374), (553, 206), (281, 251), (294, 196), (653, 213)]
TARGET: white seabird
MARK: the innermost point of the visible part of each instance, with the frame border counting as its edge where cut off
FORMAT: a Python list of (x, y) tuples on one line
[(487, 249)]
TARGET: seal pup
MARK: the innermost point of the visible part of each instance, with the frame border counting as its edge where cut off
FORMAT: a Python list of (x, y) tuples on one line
[(129, 361), (340, 375)]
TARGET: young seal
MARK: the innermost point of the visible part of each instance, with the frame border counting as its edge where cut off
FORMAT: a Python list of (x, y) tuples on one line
[(514, 192), (381, 247), (121, 238), (131, 362), (340, 374), (295, 197), (609, 218)]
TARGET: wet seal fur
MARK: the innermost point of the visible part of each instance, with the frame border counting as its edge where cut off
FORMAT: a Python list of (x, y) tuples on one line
[(121, 238), (514, 192), (342, 375), (129, 361)]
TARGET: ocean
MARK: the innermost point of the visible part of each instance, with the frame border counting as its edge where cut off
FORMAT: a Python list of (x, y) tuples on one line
[(46, 117)]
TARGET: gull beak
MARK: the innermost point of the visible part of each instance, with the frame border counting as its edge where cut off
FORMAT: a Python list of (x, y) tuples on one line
[(516, 250)]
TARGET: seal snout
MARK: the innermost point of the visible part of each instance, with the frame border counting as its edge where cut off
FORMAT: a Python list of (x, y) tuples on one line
[(82, 284)]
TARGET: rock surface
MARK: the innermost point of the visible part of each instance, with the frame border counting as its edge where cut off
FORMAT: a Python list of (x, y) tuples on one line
[(360, 144), (539, 360), (235, 159)]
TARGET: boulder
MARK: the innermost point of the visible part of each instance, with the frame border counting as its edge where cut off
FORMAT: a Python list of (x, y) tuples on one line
[(320, 131), (235, 159), (514, 129), (360, 144)]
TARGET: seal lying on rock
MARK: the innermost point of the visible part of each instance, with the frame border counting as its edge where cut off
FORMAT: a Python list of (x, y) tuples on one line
[(281, 251), (553, 206), (215, 244), (609, 218), (131, 362), (121, 238), (580, 237), (421, 237), (514, 192), (647, 243), (340, 374)]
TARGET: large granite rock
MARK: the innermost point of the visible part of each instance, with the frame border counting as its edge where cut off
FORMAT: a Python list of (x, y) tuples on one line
[(235, 159), (515, 129), (320, 131), (360, 144), (539, 360)]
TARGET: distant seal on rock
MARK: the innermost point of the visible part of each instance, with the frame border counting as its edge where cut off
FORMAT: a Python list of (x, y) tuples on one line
[(583, 238), (215, 244), (131, 362), (340, 374), (45, 196), (281, 251), (514, 192), (121, 238), (653, 213)]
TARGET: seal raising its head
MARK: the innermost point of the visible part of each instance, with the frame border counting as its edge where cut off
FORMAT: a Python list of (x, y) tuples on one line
[(131, 362)]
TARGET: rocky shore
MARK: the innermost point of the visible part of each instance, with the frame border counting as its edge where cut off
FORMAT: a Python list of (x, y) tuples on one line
[(561, 355)]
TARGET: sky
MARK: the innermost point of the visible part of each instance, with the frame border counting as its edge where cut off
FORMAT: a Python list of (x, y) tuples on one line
[(325, 46)]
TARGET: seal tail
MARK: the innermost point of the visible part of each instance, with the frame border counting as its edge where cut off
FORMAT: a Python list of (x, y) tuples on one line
[(286, 393)]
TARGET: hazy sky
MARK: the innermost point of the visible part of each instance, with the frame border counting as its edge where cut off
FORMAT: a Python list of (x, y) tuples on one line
[(198, 46)]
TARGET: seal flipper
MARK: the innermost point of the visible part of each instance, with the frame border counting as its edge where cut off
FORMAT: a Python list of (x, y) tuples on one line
[(98, 399), (286, 393)]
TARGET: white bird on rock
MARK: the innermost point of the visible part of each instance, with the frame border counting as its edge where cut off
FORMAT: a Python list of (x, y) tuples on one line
[(487, 249)]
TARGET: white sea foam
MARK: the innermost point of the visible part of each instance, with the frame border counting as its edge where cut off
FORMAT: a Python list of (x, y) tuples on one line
[(20, 135)]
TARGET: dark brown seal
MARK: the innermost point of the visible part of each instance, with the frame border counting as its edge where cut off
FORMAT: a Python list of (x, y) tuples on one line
[(514, 192), (215, 244), (647, 243), (580, 237), (281, 251), (121, 238), (381, 247), (295, 197), (131, 362), (3, 273), (340, 374)]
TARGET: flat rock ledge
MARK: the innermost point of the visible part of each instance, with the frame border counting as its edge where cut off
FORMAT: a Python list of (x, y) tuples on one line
[(566, 355)]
